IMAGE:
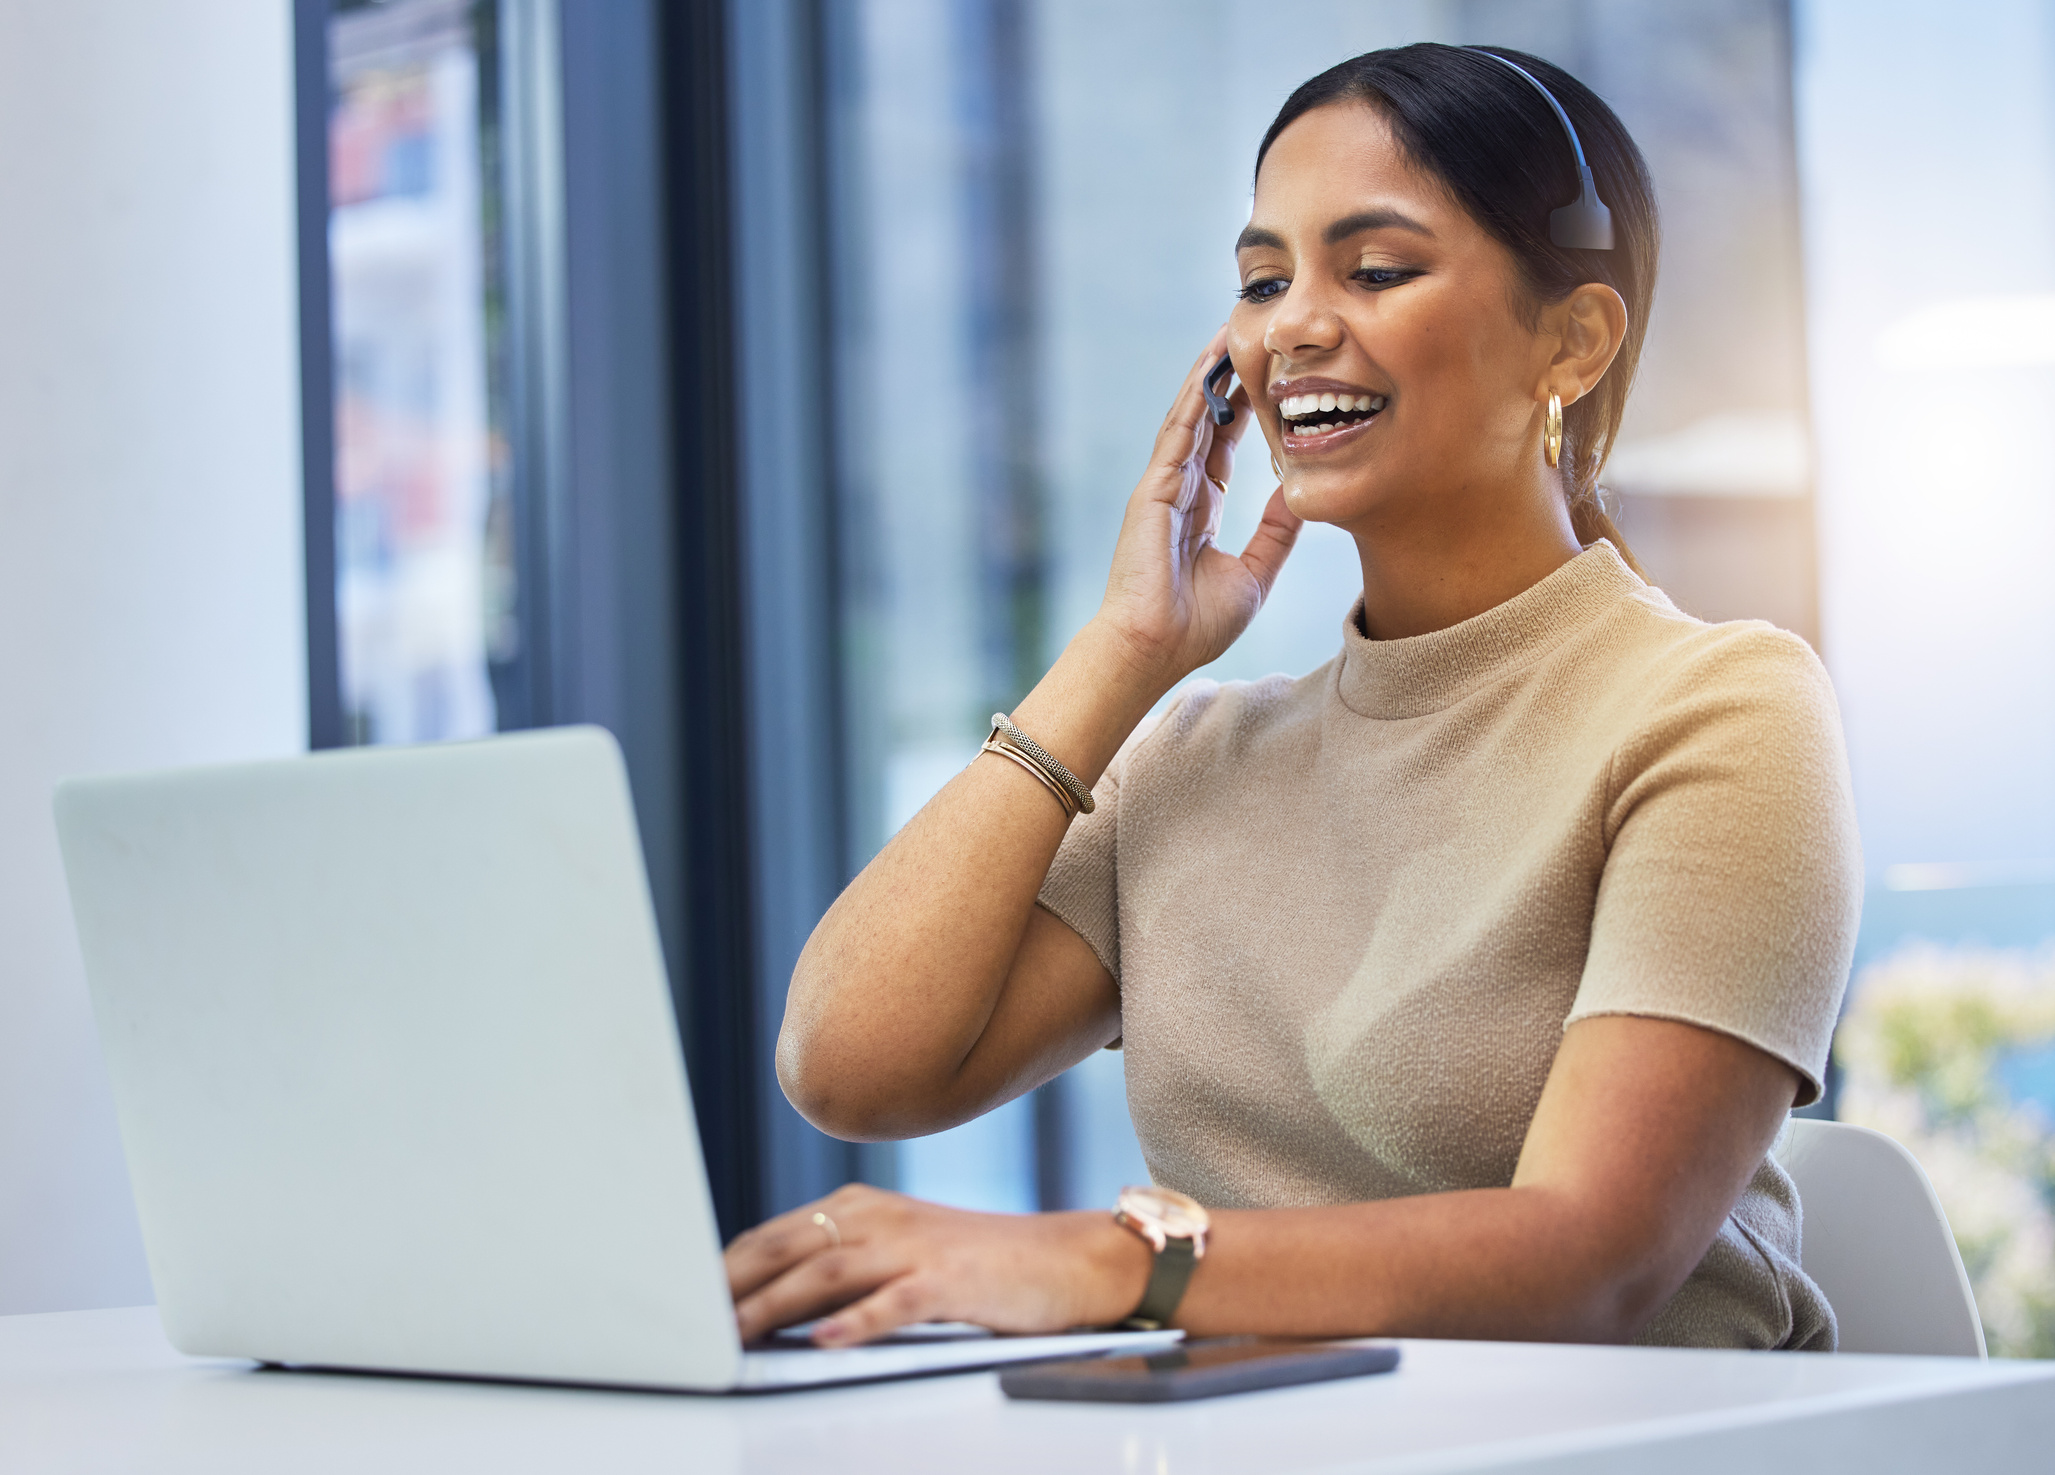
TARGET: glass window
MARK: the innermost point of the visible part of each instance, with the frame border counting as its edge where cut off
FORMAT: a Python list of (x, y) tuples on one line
[(1937, 514), (1035, 207), (423, 536)]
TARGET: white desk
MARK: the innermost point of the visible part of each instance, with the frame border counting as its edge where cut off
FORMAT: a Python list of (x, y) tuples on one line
[(97, 1391)]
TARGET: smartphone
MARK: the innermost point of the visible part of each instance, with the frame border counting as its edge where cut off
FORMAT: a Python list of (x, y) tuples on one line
[(1214, 387), (1199, 1370)]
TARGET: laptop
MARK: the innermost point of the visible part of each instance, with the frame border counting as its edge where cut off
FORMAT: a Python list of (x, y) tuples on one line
[(399, 1082)]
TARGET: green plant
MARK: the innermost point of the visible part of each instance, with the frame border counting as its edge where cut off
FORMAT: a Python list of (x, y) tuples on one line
[(1920, 1049)]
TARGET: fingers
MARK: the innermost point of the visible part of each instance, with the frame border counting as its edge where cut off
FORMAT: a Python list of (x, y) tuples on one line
[(1272, 542), (908, 1262), (1230, 434), (792, 1269), (1220, 456), (1210, 354), (820, 1283), (1191, 395), (1215, 509), (1186, 427), (760, 1255), (772, 1248), (902, 1302)]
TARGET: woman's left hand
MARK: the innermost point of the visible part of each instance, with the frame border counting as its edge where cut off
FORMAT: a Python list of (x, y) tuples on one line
[(882, 1261)]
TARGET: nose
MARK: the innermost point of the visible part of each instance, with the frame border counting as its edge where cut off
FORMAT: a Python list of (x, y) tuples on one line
[(1305, 323)]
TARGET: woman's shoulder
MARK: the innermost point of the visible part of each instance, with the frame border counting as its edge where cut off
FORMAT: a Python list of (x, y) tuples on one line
[(1745, 682), (1225, 719), (1672, 655)]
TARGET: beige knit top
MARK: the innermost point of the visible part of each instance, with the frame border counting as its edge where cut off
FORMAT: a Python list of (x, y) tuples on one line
[(1351, 914)]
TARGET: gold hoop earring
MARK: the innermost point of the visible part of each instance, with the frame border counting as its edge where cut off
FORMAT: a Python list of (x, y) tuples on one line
[(1275, 469), (1552, 435)]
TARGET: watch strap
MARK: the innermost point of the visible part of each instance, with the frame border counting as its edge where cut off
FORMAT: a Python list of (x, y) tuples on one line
[(1169, 1276)]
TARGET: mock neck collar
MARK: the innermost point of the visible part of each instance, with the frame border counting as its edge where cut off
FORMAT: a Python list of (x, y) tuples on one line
[(1419, 674)]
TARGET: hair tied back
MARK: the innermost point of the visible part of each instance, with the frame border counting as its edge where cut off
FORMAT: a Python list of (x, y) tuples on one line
[(1585, 224)]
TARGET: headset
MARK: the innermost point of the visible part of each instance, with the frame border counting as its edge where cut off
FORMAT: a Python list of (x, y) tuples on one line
[(1585, 224)]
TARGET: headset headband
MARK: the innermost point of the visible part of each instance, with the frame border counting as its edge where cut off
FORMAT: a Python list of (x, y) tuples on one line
[(1585, 224)]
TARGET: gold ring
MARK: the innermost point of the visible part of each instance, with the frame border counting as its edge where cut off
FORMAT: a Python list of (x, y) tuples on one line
[(827, 1225)]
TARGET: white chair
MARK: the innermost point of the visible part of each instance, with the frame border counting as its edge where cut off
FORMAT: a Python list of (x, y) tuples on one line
[(1877, 1242)]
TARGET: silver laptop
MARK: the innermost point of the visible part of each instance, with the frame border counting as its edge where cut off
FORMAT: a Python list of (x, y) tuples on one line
[(399, 1079)]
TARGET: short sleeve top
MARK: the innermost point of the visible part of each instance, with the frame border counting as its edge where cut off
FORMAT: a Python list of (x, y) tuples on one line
[(1352, 913)]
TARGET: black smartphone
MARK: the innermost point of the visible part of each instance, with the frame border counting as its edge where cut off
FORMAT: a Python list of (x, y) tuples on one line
[(1199, 1370), (1214, 387)]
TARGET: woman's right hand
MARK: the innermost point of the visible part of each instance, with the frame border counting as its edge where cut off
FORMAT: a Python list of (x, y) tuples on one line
[(935, 988), (1175, 599)]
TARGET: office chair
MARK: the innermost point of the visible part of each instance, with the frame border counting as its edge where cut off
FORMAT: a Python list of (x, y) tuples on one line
[(1877, 1242)]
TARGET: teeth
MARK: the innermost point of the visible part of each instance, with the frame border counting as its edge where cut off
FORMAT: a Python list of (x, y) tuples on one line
[(1299, 406), (1302, 407)]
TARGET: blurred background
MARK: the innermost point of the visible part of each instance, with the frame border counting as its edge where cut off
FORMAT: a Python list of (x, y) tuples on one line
[(765, 380)]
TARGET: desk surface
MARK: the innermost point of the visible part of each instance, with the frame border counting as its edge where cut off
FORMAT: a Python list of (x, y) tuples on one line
[(102, 1391)]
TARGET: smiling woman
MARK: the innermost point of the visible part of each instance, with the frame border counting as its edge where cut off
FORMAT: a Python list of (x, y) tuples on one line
[(1474, 168), (1465, 981)]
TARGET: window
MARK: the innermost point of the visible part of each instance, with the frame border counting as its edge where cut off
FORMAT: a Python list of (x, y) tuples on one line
[(1937, 514), (424, 532)]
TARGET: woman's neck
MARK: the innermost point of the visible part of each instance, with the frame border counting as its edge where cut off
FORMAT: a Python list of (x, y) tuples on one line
[(1469, 554)]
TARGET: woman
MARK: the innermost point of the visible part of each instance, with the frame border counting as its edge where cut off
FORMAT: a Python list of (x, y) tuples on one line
[(1466, 981)]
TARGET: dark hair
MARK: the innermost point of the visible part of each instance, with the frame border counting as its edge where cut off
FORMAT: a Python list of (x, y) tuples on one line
[(1490, 138)]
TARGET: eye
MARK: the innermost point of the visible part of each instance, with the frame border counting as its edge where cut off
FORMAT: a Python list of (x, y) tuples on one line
[(1263, 289), (1383, 276)]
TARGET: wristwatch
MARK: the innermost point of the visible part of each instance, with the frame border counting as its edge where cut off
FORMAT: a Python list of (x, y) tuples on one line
[(1175, 1227)]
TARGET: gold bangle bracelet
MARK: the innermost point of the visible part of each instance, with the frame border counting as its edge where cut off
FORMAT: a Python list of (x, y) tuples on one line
[(1005, 750)]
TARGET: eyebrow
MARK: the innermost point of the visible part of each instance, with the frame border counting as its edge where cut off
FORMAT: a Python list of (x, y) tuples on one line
[(1349, 225)]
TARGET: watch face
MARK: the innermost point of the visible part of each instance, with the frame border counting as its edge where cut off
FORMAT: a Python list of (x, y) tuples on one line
[(1177, 1216)]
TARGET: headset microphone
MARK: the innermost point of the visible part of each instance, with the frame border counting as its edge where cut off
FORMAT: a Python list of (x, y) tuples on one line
[(1586, 224), (1214, 387)]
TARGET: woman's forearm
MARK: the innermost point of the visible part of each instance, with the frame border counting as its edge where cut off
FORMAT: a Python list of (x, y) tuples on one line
[(898, 983), (1645, 1136), (1522, 1263), (1525, 1263)]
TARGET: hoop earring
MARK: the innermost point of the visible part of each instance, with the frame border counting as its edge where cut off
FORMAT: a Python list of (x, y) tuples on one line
[(1552, 435), (1275, 469)]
